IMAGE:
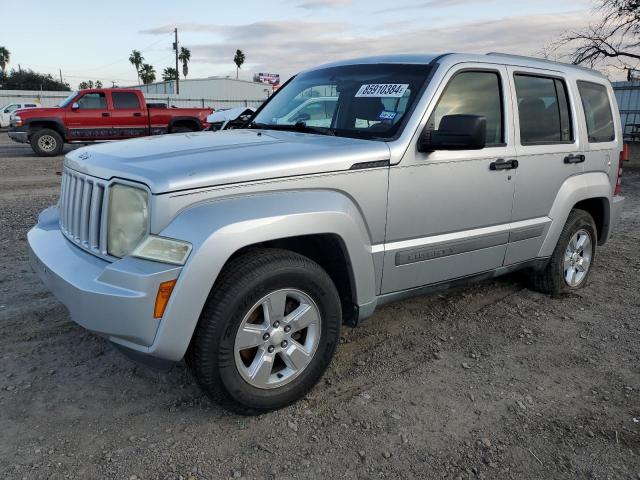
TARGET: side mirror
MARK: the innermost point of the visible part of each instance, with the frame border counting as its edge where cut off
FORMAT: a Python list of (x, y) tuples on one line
[(456, 132), (75, 106)]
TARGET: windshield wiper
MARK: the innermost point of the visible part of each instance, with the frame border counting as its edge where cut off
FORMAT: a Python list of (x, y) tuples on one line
[(297, 127)]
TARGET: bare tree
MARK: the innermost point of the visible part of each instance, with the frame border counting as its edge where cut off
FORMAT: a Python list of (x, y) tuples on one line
[(614, 36)]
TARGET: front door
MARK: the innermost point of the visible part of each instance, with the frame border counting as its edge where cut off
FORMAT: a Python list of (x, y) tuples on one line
[(449, 211), (91, 120)]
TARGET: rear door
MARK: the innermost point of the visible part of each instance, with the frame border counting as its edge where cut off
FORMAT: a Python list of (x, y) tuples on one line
[(91, 120), (549, 152), (128, 116)]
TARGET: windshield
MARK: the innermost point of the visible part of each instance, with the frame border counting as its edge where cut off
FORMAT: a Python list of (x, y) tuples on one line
[(67, 100), (359, 101)]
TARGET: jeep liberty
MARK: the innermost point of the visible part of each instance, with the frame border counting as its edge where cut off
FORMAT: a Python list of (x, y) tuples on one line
[(244, 251)]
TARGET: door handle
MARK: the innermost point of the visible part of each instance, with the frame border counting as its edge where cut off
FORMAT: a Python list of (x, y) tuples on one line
[(502, 164), (574, 159), (137, 114), (105, 114)]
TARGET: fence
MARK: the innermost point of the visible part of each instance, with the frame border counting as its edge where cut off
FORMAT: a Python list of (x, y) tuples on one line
[(51, 99)]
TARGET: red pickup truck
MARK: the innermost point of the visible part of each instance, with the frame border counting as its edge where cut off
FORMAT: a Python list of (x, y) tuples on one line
[(100, 114)]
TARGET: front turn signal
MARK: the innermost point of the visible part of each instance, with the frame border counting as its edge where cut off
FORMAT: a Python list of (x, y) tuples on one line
[(162, 298)]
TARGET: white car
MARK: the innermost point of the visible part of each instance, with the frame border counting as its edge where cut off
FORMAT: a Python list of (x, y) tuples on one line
[(7, 110), (229, 118)]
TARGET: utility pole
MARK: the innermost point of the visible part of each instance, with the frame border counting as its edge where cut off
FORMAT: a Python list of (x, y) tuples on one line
[(175, 47), (61, 76)]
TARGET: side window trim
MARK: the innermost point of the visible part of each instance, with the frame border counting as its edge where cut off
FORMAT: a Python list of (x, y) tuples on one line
[(501, 90), (556, 79)]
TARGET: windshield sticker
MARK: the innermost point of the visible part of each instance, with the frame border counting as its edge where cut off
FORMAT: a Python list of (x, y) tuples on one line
[(394, 90), (387, 115)]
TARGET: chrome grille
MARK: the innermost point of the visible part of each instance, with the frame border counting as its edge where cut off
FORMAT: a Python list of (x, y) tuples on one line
[(82, 211)]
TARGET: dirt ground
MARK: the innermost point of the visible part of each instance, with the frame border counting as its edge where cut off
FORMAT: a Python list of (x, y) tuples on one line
[(490, 381)]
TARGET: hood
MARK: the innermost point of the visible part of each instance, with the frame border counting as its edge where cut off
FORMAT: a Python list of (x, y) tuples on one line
[(35, 112), (175, 162)]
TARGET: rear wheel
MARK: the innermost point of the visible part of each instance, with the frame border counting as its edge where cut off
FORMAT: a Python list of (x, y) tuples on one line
[(182, 130), (267, 332), (47, 142), (570, 265)]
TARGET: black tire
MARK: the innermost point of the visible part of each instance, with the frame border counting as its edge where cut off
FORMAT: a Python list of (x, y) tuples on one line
[(182, 130), (244, 281), (552, 279), (47, 142)]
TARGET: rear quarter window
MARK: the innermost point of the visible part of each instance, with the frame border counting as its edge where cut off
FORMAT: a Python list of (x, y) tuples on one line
[(597, 112)]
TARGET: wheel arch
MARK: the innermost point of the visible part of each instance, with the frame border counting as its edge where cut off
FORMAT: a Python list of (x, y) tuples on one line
[(590, 192), (307, 222), (191, 122), (35, 124)]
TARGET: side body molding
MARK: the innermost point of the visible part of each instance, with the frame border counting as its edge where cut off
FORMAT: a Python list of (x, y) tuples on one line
[(573, 190), (219, 228)]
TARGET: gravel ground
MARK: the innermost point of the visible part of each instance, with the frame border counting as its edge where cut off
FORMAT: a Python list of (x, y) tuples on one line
[(489, 381)]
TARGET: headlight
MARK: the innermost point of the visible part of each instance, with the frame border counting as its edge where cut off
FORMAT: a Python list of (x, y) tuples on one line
[(16, 120), (128, 222), (161, 249)]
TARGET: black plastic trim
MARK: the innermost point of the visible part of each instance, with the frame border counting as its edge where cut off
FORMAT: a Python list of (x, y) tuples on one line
[(374, 164)]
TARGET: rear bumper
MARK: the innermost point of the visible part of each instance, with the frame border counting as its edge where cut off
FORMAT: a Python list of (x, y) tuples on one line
[(115, 300), (18, 134)]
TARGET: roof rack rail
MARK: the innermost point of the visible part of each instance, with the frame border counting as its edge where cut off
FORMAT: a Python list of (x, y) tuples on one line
[(542, 60)]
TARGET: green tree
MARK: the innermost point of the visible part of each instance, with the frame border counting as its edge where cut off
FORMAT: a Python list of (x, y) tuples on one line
[(136, 59), (185, 58), (147, 73), (4, 59), (169, 73), (238, 59), (30, 80), (98, 84)]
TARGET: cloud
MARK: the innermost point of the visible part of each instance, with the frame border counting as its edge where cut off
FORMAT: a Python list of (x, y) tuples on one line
[(287, 47), (317, 4), (432, 4)]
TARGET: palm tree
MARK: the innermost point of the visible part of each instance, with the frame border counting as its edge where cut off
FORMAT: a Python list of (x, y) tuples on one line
[(136, 60), (4, 59), (238, 60), (169, 73), (147, 73), (184, 57)]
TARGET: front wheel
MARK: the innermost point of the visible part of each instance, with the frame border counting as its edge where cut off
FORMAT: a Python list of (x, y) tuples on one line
[(267, 332), (570, 265), (47, 142)]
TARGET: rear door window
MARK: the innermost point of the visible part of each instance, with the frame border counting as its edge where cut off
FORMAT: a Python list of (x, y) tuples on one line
[(543, 110), (125, 101), (597, 112)]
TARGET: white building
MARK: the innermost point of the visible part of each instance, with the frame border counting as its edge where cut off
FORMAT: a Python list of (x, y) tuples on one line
[(216, 92)]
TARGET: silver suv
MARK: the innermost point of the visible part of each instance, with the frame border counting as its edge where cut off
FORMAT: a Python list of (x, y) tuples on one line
[(244, 251)]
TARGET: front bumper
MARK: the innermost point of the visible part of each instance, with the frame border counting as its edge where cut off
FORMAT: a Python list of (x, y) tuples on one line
[(18, 134), (115, 300)]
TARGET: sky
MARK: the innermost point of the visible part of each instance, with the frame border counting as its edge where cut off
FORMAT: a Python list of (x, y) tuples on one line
[(93, 41)]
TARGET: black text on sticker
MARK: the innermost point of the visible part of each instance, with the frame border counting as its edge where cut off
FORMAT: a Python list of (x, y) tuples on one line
[(382, 90)]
